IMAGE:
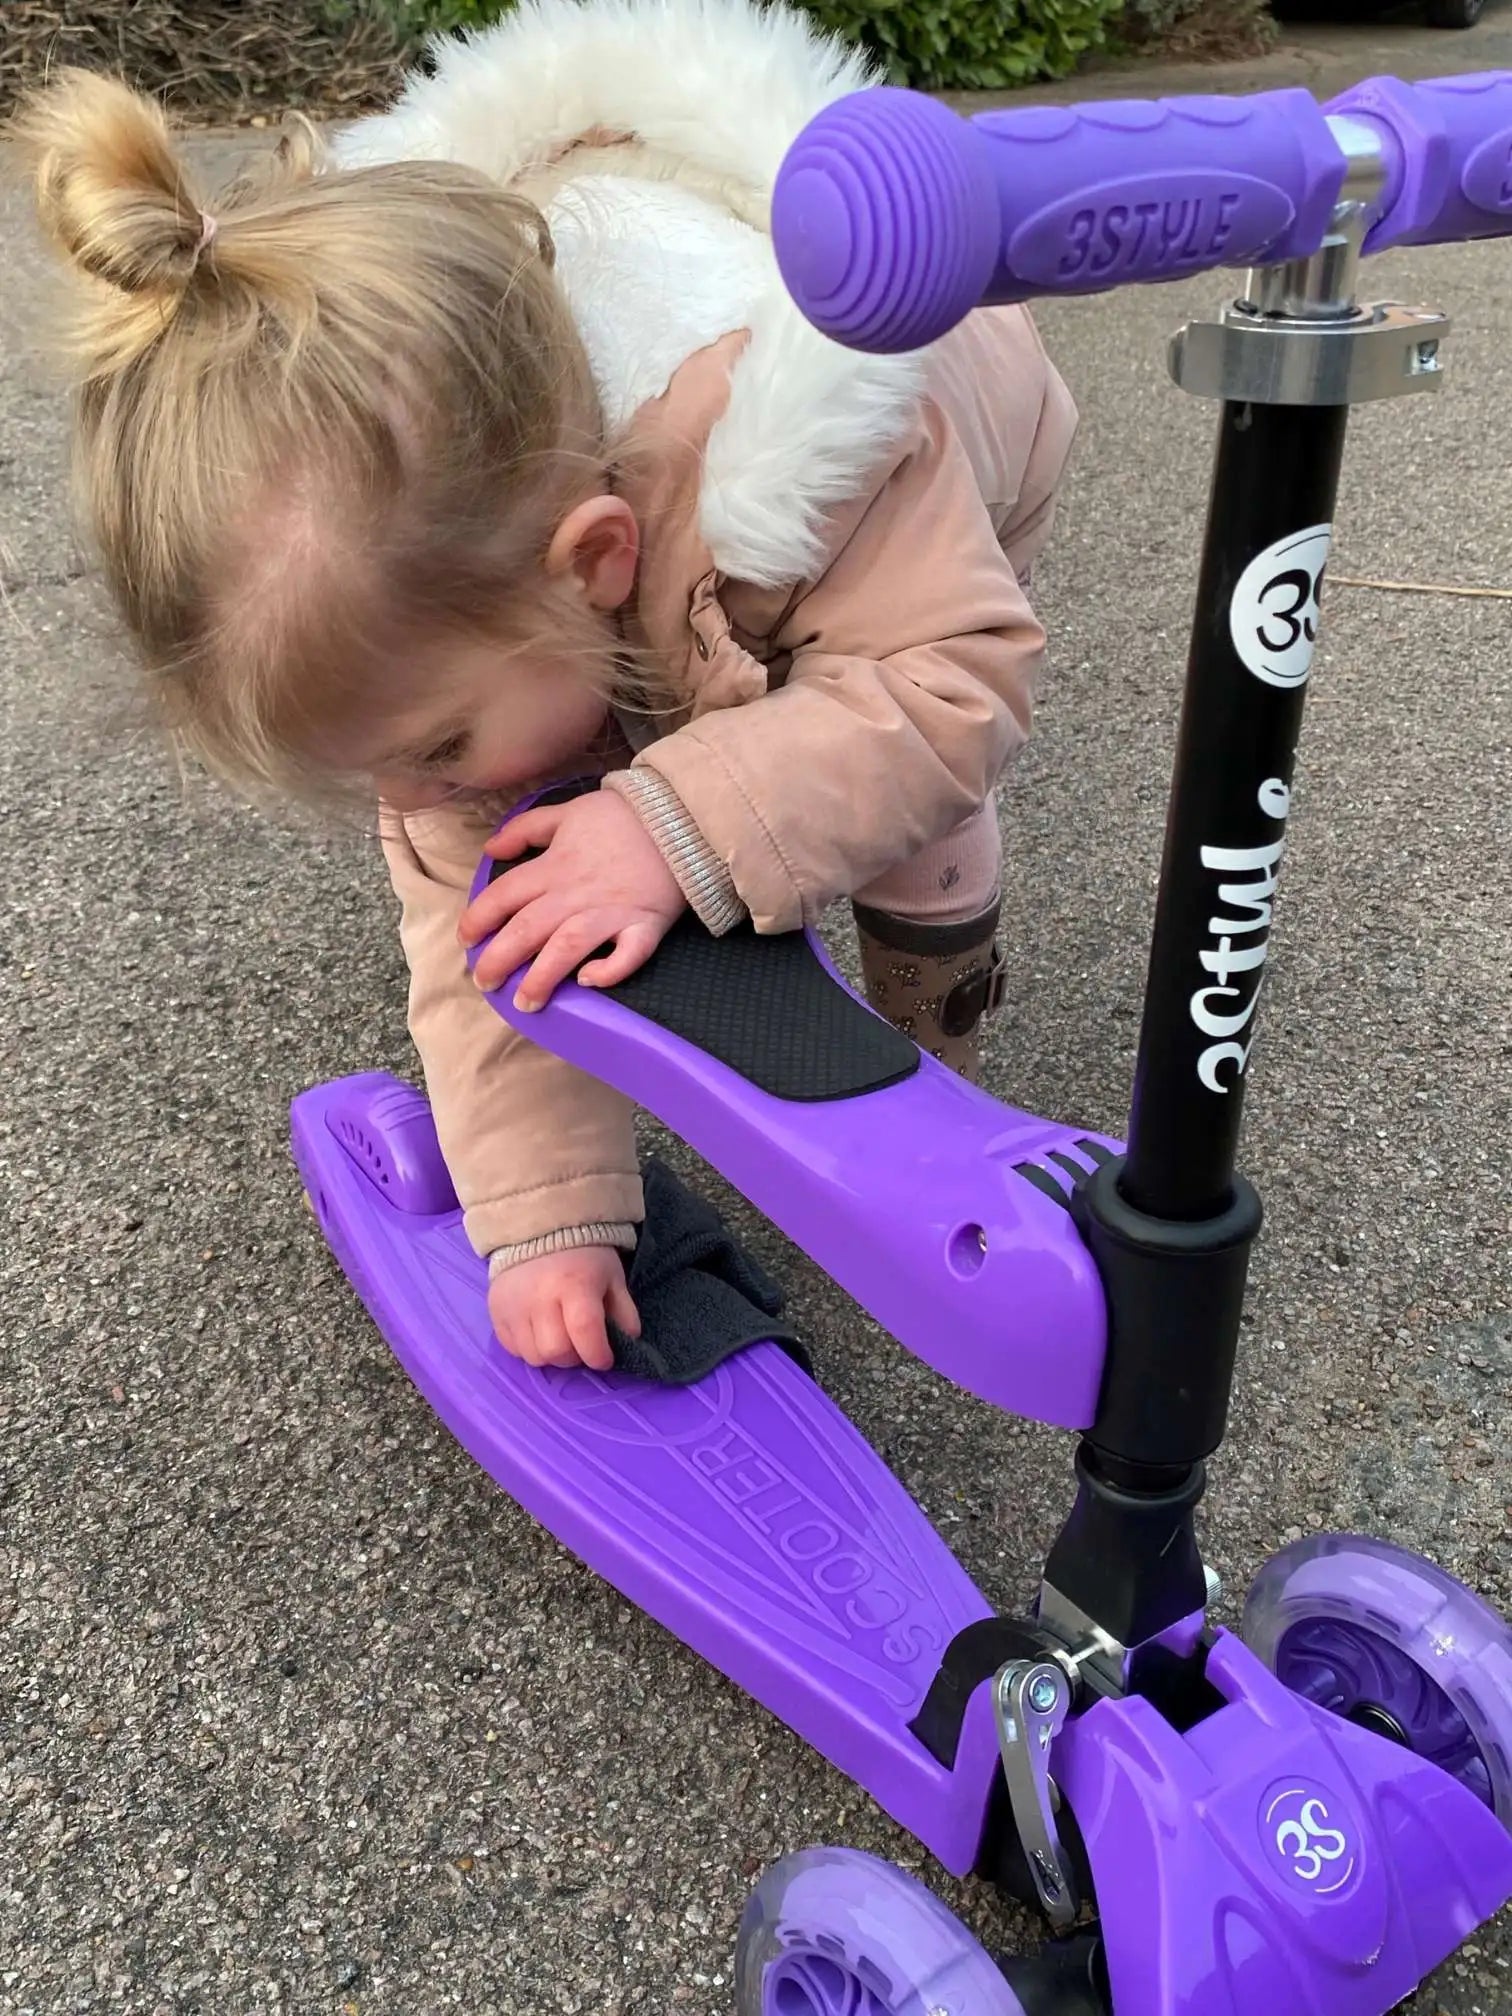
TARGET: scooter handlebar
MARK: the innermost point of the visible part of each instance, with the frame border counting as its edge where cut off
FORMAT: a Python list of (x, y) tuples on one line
[(893, 217), (1452, 141)]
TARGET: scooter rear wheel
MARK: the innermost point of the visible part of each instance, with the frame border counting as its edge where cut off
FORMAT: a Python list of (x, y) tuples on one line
[(832, 1932), (1389, 1641)]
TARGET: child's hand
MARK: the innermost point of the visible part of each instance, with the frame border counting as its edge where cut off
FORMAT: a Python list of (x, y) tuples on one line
[(602, 880), (551, 1310)]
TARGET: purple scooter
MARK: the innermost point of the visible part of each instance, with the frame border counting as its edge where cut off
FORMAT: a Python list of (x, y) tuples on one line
[(1302, 1821)]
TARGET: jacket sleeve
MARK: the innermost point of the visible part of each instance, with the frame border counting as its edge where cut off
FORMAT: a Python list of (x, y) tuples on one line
[(910, 686), (542, 1155)]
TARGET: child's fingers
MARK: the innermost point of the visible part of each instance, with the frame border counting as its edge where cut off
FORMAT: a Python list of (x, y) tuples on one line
[(534, 828), (622, 1310), (520, 939), (549, 1341), (558, 959), (509, 1335), (589, 1333), (632, 949), (496, 904)]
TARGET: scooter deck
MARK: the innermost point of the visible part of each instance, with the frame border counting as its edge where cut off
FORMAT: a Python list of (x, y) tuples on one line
[(745, 1512)]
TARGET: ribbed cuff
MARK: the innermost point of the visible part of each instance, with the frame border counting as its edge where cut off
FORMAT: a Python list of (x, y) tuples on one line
[(700, 874), (568, 1240)]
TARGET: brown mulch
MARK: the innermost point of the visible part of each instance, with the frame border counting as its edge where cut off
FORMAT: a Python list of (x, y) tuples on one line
[(1216, 31), (217, 62)]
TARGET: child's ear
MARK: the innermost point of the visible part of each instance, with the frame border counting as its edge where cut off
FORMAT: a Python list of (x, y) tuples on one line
[(598, 544)]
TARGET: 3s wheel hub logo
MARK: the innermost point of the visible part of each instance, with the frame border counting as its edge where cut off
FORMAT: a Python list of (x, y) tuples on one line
[(1309, 1837)]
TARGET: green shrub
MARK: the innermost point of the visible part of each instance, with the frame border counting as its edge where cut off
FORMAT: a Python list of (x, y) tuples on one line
[(934, 45), (971, 45), (419, 18)]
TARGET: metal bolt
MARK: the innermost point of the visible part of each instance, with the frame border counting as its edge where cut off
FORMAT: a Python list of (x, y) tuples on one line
[(1427, 357), (1049, 1875), (1044, 1693)]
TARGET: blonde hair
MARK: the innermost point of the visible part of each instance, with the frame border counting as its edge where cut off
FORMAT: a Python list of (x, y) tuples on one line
[(318, 421)]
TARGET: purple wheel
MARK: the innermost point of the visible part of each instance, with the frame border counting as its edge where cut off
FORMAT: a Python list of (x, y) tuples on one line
[(1388, 1641), (830, 1932)]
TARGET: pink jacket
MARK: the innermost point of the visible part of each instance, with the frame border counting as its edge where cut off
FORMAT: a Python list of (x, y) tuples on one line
[(832, 544)]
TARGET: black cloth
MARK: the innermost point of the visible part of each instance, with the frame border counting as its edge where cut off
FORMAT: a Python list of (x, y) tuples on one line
[(700, 1297)]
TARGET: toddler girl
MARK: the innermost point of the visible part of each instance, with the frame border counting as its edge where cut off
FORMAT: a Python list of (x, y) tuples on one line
[(487, 448)]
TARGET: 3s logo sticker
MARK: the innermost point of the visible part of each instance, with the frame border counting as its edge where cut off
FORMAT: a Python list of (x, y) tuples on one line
[(1274, 613), (1310, 1844), (1313, 1851)]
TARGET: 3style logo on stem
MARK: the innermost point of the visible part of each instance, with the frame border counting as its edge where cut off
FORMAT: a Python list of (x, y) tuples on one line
[(1275, 608)]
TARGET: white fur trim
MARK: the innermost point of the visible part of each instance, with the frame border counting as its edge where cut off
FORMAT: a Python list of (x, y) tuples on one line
[(651, 273), (806, 424), (651, 276), (727, 84)]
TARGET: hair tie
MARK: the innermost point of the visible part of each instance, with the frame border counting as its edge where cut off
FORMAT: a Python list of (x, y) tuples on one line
[(208, 227)]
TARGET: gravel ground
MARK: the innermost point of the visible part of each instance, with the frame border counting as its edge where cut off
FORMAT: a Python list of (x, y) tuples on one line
[(301, 1714)]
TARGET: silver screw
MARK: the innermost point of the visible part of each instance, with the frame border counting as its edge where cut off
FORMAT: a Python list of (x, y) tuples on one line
[(1043, 1693), (1049, 1875)]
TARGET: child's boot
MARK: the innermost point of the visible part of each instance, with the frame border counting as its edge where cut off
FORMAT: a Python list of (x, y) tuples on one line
[(935, 982)]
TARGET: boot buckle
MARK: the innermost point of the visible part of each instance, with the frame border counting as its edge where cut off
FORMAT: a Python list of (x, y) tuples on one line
[(971, 1000)]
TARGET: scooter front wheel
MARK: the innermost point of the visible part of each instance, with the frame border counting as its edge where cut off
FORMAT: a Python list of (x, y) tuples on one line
[(832, 1932), (1387, 1640)]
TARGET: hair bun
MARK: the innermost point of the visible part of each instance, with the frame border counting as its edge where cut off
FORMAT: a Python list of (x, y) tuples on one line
[(111, 191)]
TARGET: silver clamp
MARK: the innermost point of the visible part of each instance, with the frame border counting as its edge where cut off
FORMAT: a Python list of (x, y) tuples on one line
[(1271, 360), (1031, 1699), (1297, 336), (1095, 1659)]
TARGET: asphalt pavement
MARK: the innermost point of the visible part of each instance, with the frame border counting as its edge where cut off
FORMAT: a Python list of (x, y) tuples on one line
[(300, 1714)]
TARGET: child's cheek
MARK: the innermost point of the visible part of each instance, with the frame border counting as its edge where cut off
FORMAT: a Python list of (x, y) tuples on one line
[(410, 794)]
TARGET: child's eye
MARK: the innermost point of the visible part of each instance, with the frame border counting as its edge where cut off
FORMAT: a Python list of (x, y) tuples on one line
[(452, 750)]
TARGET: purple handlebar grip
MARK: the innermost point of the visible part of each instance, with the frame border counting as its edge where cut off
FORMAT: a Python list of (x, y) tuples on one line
[(885, 220), (1453, 140), (893, 217)]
